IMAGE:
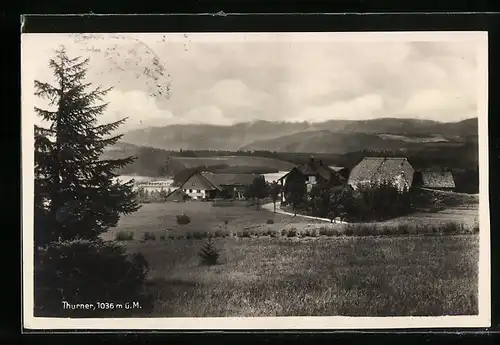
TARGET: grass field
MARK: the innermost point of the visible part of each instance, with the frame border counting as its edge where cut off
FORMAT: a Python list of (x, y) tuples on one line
[(317, 275), (233, 161), (157, 217), (347, 276)]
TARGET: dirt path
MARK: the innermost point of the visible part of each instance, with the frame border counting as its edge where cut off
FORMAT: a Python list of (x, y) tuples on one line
[(270, 207)]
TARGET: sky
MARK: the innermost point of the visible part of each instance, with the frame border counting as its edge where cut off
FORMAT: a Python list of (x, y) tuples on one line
[(223, 79)]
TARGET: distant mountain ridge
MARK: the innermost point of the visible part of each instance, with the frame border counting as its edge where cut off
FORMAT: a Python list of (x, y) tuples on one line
[(333, 136)]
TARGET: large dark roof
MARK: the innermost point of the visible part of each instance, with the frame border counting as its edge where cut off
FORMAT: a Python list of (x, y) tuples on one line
[(438, 179), (314, 168), (219, 180), (381, 168)]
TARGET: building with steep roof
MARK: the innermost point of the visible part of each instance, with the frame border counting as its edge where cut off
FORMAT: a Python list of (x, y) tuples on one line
[(395, 170), (314, 171), (207, 185), (439, 180)]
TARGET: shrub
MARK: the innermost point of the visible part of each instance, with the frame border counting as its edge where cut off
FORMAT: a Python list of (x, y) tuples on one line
[(124, 236), (82, 271), (162, 237), (291, 232), (198, 235), (349, 231), (475, 229), (329, 232), (323, 231), (226, 222), (183, 219), (452, 228), (272, 233), (209, 253), (148, 236), (189, 236), (245, 233), (270, 221), (283, 232)]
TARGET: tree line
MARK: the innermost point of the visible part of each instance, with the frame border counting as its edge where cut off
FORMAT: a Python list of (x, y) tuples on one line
[(373, 201)]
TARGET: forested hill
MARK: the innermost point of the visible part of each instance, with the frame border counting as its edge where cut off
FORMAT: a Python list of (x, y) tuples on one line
[(334, 136)]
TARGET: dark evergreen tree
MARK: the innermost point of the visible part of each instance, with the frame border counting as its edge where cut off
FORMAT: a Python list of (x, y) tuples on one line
[(77, 194), (295, 189), (274, 191), (257, 190), (209, 253), (77, 198)]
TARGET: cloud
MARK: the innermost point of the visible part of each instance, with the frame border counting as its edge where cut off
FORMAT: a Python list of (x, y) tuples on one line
[(140, 109), (437, 103), (231, 78), (363, 107), (233, 93), (206, 114)]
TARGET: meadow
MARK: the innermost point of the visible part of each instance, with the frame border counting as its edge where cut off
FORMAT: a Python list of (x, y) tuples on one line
[(161, 219), (302, 267), (157, 217), (345, 276)]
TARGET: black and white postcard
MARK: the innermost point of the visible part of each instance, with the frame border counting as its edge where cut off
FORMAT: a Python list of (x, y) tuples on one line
[(255, 180)]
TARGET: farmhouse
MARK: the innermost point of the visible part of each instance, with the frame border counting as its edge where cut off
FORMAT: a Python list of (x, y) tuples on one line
[(382, 169), (439, 180), (314, 172), (208, 185), (154, 186), (177, 195)]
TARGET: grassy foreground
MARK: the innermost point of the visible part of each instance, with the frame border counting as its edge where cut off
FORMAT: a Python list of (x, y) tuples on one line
[(347, 276)]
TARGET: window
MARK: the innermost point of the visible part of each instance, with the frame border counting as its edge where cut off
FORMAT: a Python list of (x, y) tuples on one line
[(190, 191), (193, 183), (199, 190)]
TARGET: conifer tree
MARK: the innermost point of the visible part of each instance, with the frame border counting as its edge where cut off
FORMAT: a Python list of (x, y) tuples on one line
[(209, 253), (77, 194)]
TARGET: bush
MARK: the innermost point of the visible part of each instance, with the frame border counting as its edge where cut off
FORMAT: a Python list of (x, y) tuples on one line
[(329, 232), (452, 228), (221, 234), (270, 221), (83, 271), (124, 236), (291, 232), (148, 236), (209, 253), (198, 235), (245, 233), (376, 202), (183, 219), (475, 229)]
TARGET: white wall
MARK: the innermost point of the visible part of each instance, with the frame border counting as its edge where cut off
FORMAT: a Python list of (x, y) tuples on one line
[(399, 181), (195, 193)]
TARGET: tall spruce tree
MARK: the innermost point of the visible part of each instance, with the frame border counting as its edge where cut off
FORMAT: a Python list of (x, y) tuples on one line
[(77, 194)]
